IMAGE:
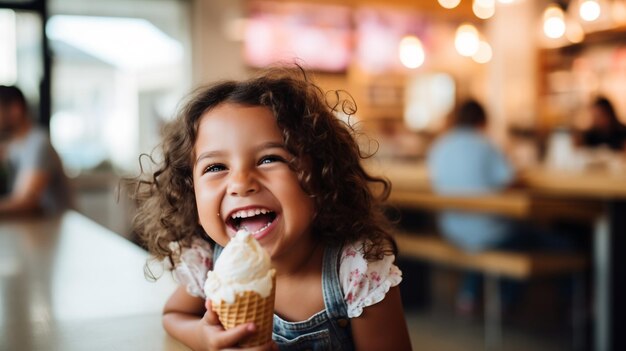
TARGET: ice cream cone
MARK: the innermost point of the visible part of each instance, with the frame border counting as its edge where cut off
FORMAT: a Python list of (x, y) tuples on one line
[(249, 306)]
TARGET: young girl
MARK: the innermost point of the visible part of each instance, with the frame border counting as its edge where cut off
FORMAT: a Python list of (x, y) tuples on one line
[(269, 155)]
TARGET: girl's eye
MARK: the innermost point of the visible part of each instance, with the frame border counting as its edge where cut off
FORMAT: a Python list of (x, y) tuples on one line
[(214, 168), (271, 159)]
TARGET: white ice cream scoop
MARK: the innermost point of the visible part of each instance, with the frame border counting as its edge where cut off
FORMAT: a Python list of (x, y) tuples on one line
[(242, 266)]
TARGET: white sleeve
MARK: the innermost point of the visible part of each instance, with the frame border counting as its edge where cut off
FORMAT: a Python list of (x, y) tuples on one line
[(191, 271), (365, 283)]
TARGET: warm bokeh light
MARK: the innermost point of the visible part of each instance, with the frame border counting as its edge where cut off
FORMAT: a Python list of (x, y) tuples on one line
[(466, 40), (449, 4), (484, 9), (589, 10), (506, 1), (484, 53), (574, 32), (553, 22), (411, 52)]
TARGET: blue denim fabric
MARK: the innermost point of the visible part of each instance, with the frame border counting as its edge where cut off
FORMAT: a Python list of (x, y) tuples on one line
[(327, 330)]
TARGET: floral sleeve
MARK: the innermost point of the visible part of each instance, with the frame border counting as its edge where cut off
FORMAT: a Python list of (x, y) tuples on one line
[(365, 283), (195, 262)]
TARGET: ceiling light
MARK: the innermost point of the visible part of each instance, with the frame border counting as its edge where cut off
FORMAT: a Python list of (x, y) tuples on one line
[(449, 4), (589, 10), (411, 52), (484, 9), (484, 52), (553, 22), (466, 40)]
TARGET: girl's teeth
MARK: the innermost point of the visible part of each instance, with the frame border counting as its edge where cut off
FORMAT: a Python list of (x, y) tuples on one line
[(249, 213)]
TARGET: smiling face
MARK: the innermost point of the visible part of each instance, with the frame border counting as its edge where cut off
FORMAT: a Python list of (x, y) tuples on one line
[(242, 180)]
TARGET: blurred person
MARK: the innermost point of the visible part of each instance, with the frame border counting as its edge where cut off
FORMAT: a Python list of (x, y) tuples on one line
[(34, 178), (464, 161), (606, 129)]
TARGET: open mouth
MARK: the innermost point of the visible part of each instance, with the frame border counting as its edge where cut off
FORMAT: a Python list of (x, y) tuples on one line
[(253, 220)]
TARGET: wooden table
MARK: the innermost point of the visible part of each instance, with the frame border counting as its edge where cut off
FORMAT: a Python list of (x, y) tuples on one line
[(600, 194), (411, 189), (67, 283)]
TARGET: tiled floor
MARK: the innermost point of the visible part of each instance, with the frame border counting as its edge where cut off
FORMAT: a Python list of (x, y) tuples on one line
[(436, 331)]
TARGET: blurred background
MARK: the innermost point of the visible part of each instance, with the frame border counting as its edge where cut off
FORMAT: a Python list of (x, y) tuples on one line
[(104, 75)]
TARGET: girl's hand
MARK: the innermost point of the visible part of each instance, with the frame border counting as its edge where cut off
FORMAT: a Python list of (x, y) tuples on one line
[(215, 337)]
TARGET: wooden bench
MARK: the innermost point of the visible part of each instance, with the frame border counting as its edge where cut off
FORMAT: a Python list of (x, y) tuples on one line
[(496, 265), (517, 265)]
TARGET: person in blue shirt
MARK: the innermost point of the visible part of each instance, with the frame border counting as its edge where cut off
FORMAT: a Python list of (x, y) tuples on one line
[(464, 161)]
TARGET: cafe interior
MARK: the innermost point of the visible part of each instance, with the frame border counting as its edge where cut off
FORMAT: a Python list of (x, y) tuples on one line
[(104, 76)]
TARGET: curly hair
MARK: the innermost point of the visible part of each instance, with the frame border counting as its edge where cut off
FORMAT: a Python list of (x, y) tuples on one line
[(327, 161)]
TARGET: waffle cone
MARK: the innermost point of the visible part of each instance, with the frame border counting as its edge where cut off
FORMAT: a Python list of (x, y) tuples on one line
[(249, 306)]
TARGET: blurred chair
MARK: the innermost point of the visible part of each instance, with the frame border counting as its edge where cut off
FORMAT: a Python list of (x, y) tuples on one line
[(495, 265)]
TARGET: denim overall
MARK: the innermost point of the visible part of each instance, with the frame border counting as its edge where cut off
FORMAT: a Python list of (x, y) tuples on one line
[(327, 330)]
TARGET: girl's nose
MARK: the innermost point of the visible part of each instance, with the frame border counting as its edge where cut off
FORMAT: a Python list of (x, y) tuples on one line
[(243, 183)]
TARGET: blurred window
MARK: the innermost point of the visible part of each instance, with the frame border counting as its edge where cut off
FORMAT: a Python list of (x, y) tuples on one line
[(115, 81), (21, 54), (8, 52)]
